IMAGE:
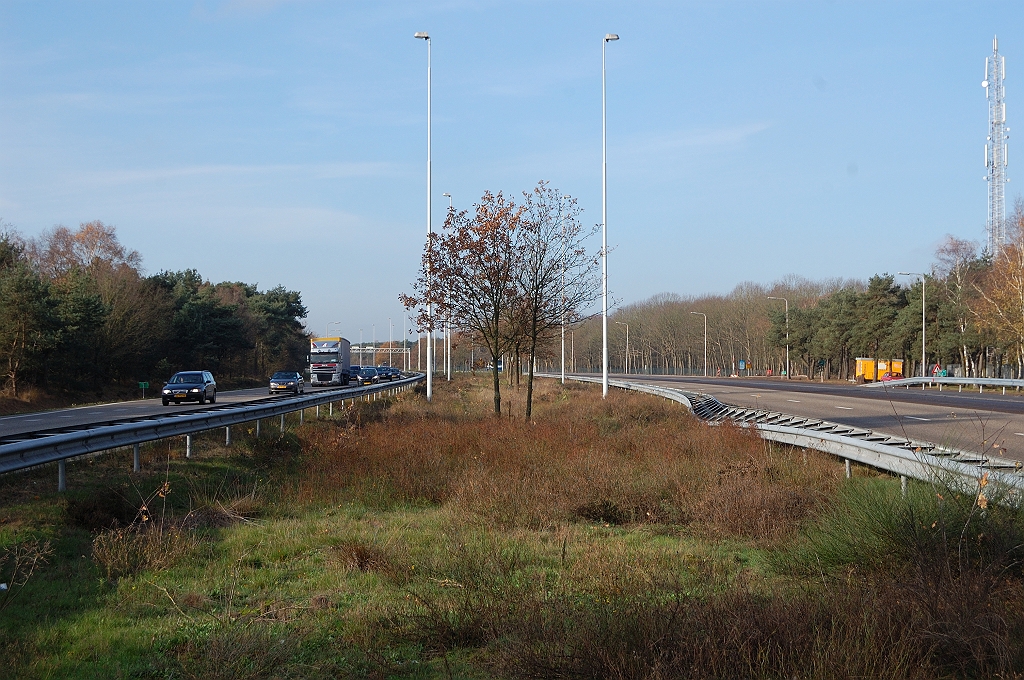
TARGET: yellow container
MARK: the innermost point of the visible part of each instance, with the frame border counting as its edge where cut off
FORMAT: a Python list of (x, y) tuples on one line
[(866, 369)]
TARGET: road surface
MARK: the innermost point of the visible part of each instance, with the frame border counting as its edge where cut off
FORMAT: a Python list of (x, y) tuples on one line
[(968, 420), (84, 415)]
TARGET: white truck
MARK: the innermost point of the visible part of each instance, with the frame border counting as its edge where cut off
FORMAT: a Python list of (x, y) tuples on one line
[(329, 361)]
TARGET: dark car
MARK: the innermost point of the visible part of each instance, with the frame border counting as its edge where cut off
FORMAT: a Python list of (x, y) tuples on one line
[(385, 373), (367, 376), (190, 386), (287, 381)]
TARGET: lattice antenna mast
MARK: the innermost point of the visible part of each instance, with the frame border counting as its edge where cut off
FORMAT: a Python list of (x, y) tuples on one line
[(995, 147)]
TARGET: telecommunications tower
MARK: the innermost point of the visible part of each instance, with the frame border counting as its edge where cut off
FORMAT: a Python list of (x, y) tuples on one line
[(995, 147)]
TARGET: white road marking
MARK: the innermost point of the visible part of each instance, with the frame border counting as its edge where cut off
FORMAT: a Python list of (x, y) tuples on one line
[(795, 401), (845, 408), (916, 418), (1020, 434)]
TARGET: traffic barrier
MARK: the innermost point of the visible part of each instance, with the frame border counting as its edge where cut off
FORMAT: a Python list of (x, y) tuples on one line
[(21, 451)]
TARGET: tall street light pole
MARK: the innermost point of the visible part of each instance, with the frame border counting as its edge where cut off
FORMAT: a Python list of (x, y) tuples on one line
[(623, 323), (924, 366), (787, 331), (327, 331), (430, 320), (604, 213), (705, 341)]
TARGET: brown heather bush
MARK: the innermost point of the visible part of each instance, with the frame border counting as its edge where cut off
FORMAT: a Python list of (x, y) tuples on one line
[(127, 551), (631, 459)]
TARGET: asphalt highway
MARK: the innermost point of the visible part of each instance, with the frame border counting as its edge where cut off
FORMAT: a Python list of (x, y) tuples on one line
[(968, 420), (84, 415)]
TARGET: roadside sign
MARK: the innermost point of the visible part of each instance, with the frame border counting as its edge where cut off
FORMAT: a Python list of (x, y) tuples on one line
[(143, 385), (743, 364)]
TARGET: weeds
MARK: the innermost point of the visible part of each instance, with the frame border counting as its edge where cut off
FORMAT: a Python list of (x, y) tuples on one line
[(18, 562)]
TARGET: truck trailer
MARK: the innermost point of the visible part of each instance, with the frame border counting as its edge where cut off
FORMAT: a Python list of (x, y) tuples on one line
[(329, 361)]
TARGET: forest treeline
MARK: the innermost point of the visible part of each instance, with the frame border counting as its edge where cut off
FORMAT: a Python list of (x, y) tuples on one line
[(974, 322), (77, 313)]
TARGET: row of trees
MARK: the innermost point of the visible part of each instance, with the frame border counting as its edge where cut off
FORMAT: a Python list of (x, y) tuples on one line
[(506, 275), (974, 322), (77, 312)]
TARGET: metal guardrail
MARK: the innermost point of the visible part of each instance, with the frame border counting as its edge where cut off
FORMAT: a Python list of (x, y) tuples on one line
[(29, 449), (908, 458), (979, 382)]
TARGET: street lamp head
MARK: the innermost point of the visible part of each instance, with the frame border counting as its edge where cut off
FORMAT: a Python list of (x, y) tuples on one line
[(446, 195), (608, 37), (422, 35)]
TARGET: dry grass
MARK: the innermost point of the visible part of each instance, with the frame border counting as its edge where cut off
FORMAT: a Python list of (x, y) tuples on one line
[(634, 459)]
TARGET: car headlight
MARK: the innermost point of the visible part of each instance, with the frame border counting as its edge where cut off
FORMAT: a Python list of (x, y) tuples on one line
[(195, 389), (167, 391), (291, 384)]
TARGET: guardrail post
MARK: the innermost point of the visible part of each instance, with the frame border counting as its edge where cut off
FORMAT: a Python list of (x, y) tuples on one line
[(136, 455), (302, 412), (257, 428), (188, 446), (318, 411), (903, 485), (227, 436), (62, 476), (981, 389), (331, 408), (282, 423), (849, 472)]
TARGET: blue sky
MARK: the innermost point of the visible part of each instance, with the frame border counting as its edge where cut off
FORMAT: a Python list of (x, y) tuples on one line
[(270, 141)]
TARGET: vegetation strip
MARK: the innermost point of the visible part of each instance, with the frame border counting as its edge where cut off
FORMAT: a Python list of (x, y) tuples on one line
[(604, 538)]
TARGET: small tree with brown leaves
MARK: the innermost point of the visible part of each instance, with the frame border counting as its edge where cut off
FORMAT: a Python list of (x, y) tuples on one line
[(468, 275)]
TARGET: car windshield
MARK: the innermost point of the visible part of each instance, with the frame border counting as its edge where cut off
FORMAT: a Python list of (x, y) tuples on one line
[(185, 378), (283, 375), (324, 358), (368, 371)]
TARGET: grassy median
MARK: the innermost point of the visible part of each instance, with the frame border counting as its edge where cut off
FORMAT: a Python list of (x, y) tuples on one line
[(608, 538)]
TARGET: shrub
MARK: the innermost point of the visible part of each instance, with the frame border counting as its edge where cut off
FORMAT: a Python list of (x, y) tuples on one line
[(127, 551)]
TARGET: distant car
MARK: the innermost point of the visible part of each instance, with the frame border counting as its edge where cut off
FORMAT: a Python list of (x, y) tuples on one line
[(887, 376), (385, 373), (367, 376), (190, 386), (287, 381)]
